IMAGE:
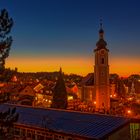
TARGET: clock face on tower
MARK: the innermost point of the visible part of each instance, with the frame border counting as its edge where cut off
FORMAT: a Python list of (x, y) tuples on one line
[(102, 52)]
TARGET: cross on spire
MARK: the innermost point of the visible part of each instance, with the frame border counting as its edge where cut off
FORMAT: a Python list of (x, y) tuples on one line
[(101, 23), (101, 31)]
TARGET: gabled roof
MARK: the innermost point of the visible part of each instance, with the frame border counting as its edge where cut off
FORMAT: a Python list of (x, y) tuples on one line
[(38, 87), (94, 126), (88, 80), (27, 92)]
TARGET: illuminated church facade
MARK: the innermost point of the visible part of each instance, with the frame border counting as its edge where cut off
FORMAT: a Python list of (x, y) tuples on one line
[(101, 73), (96, 87)]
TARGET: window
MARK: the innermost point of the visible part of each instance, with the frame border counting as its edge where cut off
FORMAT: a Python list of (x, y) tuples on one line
[(40, 137), (23, 132), (17, 131), (33, 135), (28, 133), (102, 60), (102, 73)]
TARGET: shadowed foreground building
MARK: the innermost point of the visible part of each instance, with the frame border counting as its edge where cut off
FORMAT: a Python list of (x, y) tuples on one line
[(56, 124)]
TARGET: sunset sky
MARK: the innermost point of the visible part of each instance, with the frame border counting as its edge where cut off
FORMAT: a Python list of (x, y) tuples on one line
[(48, 34)]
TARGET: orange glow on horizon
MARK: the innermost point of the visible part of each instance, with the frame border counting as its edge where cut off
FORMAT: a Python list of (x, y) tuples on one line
[(125, 66), (77, 65)]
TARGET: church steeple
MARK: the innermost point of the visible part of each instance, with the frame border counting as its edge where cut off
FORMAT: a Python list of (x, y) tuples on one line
[(101, 31), (101, 43), (60, 71), (101, 73)]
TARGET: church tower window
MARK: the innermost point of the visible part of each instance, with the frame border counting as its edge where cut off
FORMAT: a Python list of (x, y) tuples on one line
[(102, 60)]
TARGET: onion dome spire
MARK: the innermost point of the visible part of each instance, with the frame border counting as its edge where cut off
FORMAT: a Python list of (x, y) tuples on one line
[(101, 43), (101, 31)]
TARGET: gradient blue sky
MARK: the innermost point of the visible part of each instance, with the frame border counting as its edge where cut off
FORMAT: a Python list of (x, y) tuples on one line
[(48, 34)]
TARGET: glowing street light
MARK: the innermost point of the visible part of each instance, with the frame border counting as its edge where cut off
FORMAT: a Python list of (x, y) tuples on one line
[(114, 95), (50, 101), (94, 102), (130, 98), (129, 111)]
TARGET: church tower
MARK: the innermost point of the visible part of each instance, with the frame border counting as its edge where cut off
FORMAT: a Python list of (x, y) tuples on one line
[(101, 73)]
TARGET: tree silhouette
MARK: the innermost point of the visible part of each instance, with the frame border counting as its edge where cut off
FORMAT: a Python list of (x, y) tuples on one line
[(121, 88), (60, 93), (7, 120), (6, 24)]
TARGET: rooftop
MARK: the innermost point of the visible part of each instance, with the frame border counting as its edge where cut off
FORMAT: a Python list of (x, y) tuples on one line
[(93, 126)]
